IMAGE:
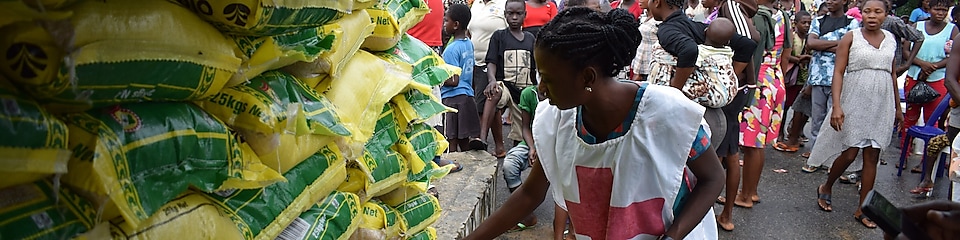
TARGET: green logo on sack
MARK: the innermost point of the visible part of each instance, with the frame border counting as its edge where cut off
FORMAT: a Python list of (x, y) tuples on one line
[(238, 13), (28, 59), (127, 119)]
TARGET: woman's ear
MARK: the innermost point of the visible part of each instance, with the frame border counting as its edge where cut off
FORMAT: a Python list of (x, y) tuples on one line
[(589, 75)]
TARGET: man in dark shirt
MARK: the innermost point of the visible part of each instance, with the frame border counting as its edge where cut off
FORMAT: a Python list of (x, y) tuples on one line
[(680, 36)]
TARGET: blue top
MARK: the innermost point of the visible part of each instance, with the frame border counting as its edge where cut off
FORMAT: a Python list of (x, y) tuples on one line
[(459, 53), (822, 62), (932, 50), (918, 15)]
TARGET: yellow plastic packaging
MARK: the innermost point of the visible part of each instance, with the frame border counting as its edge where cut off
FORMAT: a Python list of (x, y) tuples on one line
[(350, 30), (283, 151), (267, 18), (15, 10), (261, 54), (335, 217), (34, 144), (393, 19), (189, 216), (39, 210), (427, 234), (364, 88)]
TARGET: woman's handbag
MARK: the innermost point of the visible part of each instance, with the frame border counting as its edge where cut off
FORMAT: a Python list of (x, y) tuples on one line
[(922, 93)]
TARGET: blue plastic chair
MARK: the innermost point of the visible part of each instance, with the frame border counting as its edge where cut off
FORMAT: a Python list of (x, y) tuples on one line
[(926, 132)]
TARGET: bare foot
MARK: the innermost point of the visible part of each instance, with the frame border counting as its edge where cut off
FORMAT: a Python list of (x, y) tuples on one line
[(725, 223), (744, 203), (755, 198)]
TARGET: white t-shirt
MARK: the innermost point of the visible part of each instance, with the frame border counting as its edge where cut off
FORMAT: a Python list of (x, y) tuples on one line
[(485, 19)]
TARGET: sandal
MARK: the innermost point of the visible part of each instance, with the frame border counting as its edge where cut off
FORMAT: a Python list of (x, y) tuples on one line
[(809, 169), (921, 190), (477, 144), (520, 227), (805, 155), (826, 199), (850, 178), (457, 166), (916, 169), (865, 221), (783, 147)]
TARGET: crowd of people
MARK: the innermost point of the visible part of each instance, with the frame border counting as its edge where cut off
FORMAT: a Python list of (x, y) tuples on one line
[(620, 89)]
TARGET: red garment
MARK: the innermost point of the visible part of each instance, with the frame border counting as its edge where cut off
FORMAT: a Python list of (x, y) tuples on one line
[(431, 28), (635, 9), (539, 16)]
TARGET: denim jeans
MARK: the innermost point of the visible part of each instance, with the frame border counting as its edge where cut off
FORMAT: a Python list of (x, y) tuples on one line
[(514, 163)]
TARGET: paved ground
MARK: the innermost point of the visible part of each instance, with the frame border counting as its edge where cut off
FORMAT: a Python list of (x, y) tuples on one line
[(789, 209)]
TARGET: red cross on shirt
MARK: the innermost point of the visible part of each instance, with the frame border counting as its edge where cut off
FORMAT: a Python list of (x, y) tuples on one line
[(595, 218)]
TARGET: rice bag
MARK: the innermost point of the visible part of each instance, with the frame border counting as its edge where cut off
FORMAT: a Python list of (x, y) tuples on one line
[(189, 216), (16, 10), (39, 210), (333, 218), (267, 18), (276, 102), (419, 145), (393, 18), (363, 89), (283, 151), (384, 167), (427, 234), (428, 66), (419, 211), (34, 143), (123, 154), (261, 54), (418, 106), (269, 210), (125, 51), (45, 5), (379, 221), (350, 31), (33, 57)]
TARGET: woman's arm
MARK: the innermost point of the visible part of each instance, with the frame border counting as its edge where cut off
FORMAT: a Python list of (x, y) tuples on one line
[(710, 180), (452, 81), (520, 204), (785, 58), (896, 96), (953, 73), (681, 46), (843, 51), (814, 42)]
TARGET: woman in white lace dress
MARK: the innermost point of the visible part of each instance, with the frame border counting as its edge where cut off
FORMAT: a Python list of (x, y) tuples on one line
[(865, 102)]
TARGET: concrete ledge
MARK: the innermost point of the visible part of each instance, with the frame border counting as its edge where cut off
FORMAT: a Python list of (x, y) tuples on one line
[(467, 197)]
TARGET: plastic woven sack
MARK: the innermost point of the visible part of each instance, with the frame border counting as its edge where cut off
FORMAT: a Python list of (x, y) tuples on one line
[(419, 211), (34, 143), (419, 145), (267, 18), (38, 210), (283, 151), (128, 51), (261, 54), (276, 102), (393, 19), (333, 218), (418, 106), (428, 66), (269, 210), (351, 31), (127, 152), (15, 10), (379, 221), (190, 215), (427, 234), (363, 89)]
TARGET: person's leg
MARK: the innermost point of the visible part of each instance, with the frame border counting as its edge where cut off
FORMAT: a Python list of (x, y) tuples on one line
[(514, 164), (732, 165), (451, 125), (911, 116), (839, 165), (479, 84), (752, 169), (871, 156), (559, 222), (463, 143), (491, 121), (819, 97), (796, 127)]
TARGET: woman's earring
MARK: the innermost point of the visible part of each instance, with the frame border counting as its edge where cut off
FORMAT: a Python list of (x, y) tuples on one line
[(589, 89)]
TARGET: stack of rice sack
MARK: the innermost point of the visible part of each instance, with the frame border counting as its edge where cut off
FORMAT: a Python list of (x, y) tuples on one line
[(232, 119)]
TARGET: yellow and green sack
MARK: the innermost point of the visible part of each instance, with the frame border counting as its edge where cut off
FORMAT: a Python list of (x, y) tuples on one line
[(150, 50), (17, 10), (189, 216), (261, 54), (418, 106), (350, 30), (33, 57), (333, 218), (376, 176), (34, 144), (39, 210), (428, 234), (267, 18), (365, 86), (393, 18), (267, 211), (428, 66), (419, 145), (379, 221), (276, 102), (283, 151), (126, 153), (419, 212)]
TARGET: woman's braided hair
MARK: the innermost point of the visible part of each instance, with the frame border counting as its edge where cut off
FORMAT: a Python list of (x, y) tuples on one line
[(587, 37)]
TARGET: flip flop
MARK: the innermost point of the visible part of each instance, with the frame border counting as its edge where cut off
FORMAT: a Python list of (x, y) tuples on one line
[(826, 199), (921, 190), (477, 144), (809, 169), (444, 162), (868, 223), (805, 155), (520, 227), (783, 147)]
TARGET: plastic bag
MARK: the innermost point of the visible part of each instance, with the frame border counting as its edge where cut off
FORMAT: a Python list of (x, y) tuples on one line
[(333, 218), (393, 19), (276, 102), (417, 106), (127, 152), (428, 66), (922, 93), (351, 30), (261, 54), (15, 11), (363, 89), (419, 145), (190, 215), (269, 210), (283, 151), (129, 51), (38, 210), (419, 211), (267, 18), (34, 143), (427, 234), (379, 221)]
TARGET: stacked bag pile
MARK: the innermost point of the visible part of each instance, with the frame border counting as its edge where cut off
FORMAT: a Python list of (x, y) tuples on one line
[(226, 119)]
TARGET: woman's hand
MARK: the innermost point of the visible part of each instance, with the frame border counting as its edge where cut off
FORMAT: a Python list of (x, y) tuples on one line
[(491, 89), (836, 119), (532, 156), (899, 120)]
